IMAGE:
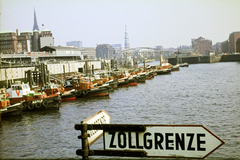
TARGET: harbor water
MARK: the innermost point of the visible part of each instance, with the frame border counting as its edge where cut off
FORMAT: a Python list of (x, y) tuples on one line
[(201, 94)]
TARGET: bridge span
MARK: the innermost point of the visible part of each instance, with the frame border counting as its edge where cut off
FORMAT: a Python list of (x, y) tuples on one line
[(146, 52)]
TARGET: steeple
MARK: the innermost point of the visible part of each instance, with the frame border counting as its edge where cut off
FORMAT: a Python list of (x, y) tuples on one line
[(127, 46), (35, 26)]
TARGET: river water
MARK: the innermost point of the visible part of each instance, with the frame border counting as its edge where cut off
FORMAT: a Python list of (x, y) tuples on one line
[(202, 94)]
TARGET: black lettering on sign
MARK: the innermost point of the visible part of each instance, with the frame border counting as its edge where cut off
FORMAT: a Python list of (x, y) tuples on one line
[(145, 140), (190, 148), (199, 142), (168, 141), (130, 141), (158, 142), (137, 141), (112, 140), (179, 141), (122, 144)]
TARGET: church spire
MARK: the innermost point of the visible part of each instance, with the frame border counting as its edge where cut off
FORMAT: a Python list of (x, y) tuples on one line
[(35, 26)]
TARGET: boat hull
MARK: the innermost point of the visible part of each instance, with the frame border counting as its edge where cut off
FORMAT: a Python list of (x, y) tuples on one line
[(98, 92), (123, 83), (68, 96), (51, 101), (12, 110), (132, 82), (164, 71), (141, 79)]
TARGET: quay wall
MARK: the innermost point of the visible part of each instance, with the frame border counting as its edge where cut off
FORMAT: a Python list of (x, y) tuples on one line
[(230, 58), (55, 69), (205, 59), (190, 60)]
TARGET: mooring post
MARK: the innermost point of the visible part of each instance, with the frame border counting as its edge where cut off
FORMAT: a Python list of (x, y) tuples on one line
[(85, 150)]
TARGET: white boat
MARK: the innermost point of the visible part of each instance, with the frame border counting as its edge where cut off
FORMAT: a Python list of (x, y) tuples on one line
[(16, 92)]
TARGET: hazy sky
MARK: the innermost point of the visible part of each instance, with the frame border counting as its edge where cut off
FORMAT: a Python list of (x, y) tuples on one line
[(169, 23)]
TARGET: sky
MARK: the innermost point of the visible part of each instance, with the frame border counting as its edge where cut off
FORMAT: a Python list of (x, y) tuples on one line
[(169, 23)]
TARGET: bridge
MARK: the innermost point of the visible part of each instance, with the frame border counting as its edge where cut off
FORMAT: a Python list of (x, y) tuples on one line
[(146, 52)]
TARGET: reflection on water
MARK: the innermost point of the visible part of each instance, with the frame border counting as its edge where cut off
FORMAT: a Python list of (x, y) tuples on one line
[(206, 94)]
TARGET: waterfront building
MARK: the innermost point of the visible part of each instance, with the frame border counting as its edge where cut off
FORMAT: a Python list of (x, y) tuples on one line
[(202, 45), (25, 38), (217, 47), (104, 51), (61, 51), (117, 51), (127, 46), (233, 42), (224, 46), (46, 38), (89, 52), (9, 42), (28, 41), (77, 44)]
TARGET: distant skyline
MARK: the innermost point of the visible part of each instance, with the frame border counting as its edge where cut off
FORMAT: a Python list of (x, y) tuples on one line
[(169, 23)]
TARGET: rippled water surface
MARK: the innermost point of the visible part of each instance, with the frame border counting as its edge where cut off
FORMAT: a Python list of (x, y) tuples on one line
[(205, 94)]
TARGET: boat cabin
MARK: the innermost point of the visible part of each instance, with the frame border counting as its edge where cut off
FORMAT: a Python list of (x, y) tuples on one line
[(18, 90)]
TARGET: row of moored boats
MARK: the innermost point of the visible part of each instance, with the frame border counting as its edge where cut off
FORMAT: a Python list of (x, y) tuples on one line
[(20, 97)]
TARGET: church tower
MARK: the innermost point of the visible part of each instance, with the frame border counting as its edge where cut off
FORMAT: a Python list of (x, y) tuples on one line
[(35, 26), (127, 46), (35, 37)]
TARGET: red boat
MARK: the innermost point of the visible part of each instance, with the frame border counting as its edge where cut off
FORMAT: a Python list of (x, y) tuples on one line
[(84, 87), (7, 109), (53, 88)]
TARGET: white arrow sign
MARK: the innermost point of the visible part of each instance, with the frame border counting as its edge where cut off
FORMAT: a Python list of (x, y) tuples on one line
[(192, 141), (99, 118)]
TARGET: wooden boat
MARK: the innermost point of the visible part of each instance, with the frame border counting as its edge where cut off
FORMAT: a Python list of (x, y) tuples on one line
[(7, 109), (40, 100), (121, 77), (175, 67), (166, 65), (21, 93), (164, 71), (132, 80), (141, 77), (68, 95), (52, 88), (183, 64), (84, 87), (148, 76), (16, 92), (113, 83), (123, 82)]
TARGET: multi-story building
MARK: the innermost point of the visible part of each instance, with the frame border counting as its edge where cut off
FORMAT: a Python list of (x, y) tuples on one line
[(77, 44), (218, 48), (233, 42), (202, 45), (90, 52), (104, 51), (224, 46), (27, 41), (25, 38), (117, 51), (46, 38), (9, 42), (127, 45)]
